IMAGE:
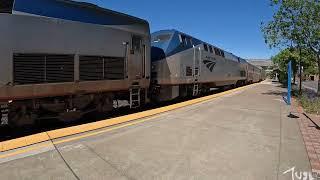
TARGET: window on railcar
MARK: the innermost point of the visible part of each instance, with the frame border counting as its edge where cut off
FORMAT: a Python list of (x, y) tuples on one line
[(210, 49), (191, 43), (217, 52), (205, 47), (136, 43), (188, 42), (161, 38), (222, 53), (6, 6), (184, 40), (188, 71), (243, 73)]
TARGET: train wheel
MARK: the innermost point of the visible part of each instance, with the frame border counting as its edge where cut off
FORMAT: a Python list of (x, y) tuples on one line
[(105, 104), (70, 116), (22, 118)]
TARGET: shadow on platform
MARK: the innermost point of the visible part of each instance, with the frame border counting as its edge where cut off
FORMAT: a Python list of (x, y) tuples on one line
[(275, 93)]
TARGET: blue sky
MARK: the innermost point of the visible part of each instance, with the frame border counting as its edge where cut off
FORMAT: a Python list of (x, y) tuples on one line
[(233, 25)]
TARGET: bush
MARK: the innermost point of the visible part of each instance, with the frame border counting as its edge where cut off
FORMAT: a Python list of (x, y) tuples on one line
[(310, 105), (283, 78)]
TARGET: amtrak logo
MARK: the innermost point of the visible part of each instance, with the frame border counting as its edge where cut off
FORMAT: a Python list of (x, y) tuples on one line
[(210, 64)]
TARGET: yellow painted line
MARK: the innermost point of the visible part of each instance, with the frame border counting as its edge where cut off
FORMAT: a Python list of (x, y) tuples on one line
[(59, 133), (104, 131), (74, 138)]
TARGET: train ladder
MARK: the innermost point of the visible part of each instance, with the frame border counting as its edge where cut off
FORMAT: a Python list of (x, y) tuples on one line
[(195, 89), (196, 76), (135, 97)]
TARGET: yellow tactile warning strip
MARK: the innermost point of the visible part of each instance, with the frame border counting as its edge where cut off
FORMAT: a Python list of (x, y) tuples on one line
[(59, 133), (24, 141), (51, 143)]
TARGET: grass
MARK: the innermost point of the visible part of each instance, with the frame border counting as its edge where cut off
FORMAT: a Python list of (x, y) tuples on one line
[(310, 104)]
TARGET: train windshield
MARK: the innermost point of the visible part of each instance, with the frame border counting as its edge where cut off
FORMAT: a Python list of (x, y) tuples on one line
[(161, 38)]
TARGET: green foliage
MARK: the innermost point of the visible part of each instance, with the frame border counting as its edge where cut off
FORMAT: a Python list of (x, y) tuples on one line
[(283, 77), (311, 70), (293, 54), (283, 57), (295, 23)]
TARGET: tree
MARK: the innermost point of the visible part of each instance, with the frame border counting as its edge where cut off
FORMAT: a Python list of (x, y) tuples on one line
[(293, 54), (282, 59), (296, 23)]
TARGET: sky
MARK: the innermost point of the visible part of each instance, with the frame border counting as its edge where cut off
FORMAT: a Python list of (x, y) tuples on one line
[(233, 25)]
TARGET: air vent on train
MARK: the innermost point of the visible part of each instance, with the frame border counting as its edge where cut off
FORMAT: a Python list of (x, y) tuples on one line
[(59, 68), (39, 68), (101, 68), (91, 68)]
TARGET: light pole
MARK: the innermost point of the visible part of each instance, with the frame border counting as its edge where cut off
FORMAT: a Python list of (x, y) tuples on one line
[(289, 83), (300, 72)]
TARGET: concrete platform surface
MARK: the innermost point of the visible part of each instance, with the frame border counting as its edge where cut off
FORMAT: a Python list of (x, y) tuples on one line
[(243, 135)]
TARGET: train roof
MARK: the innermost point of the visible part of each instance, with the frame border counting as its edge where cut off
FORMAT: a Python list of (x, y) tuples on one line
[(197, 41), (75, 11), (172, 31)]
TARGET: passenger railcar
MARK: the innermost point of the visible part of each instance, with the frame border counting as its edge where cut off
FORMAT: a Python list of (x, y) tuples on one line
[(183, 65), (254, 74), (62, 59)]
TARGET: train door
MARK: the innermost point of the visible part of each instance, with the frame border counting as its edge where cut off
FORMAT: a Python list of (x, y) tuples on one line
[(196, 70), (196, 62), (138, 51)]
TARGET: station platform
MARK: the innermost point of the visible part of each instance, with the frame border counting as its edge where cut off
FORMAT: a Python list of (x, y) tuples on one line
[(244, 134)]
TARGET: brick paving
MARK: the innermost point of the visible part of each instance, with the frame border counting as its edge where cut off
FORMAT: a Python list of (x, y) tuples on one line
[(311, 136)]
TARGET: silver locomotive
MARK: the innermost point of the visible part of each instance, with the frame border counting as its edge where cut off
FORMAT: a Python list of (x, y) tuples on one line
[(183, 65), (62, 59)]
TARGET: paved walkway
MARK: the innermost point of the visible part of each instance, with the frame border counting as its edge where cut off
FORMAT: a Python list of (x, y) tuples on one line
[(309, 127), (244, 135)]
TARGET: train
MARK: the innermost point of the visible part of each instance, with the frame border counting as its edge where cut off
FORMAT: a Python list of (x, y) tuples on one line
[(183, 65), (62, 59)]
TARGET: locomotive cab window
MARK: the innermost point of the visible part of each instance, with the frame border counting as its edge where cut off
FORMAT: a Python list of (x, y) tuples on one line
[(6, 6), (161, 38), (184, 40)]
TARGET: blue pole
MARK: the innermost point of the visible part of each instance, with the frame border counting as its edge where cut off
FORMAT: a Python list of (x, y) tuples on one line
[(289, 83)]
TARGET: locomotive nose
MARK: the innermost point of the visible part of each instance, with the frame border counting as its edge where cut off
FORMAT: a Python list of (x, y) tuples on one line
[(157, 54)]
